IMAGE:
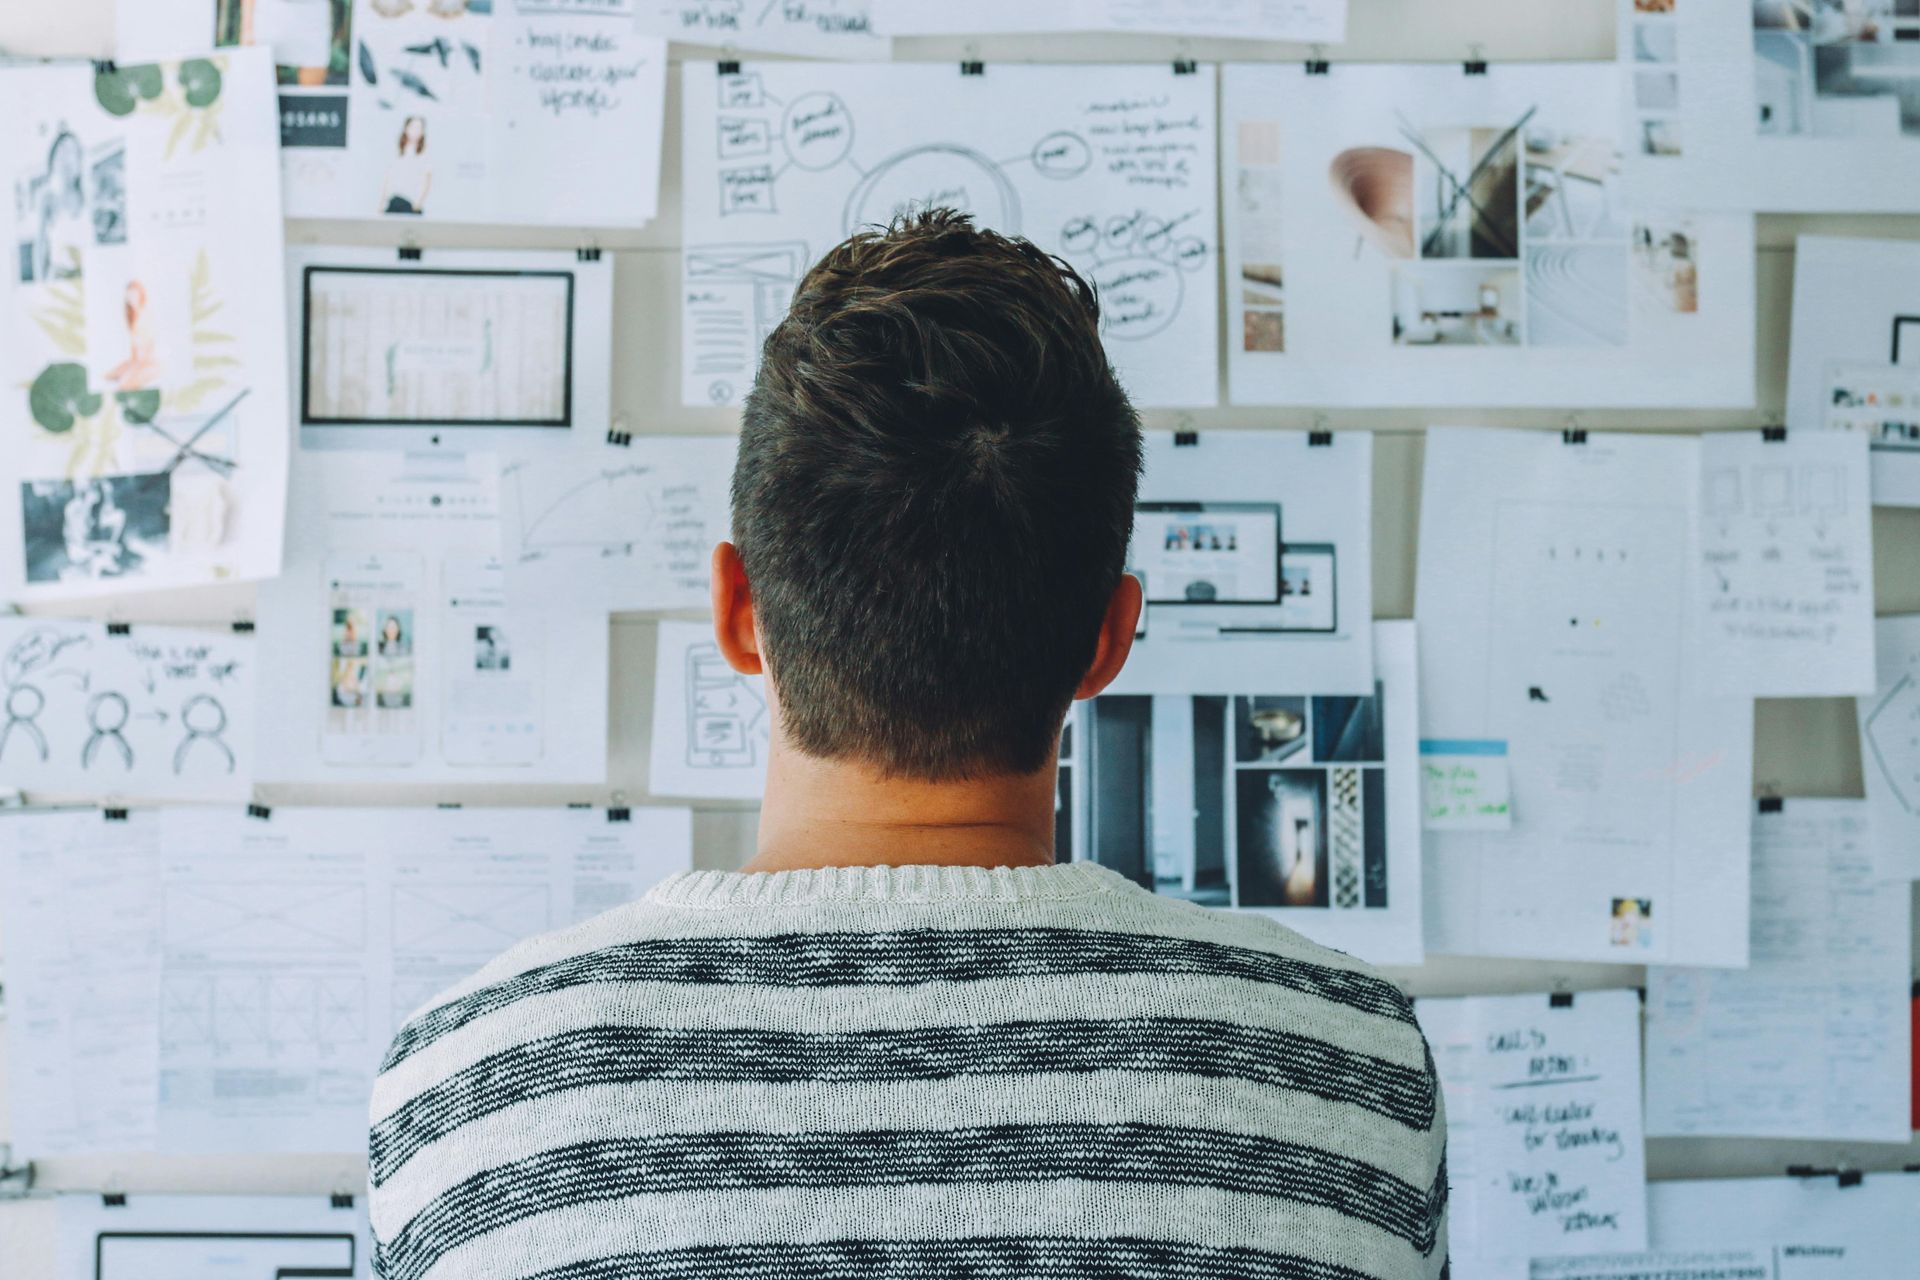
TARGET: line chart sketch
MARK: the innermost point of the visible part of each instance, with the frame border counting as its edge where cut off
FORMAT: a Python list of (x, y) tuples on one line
[(1110, 167), (162, 712), (621, 526)]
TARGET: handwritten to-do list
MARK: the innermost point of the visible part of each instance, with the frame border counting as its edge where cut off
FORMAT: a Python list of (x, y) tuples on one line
[(1544, 1150), (1784, 598)]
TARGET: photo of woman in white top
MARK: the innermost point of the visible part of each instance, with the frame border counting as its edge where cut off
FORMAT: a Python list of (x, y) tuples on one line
[(410, 177)]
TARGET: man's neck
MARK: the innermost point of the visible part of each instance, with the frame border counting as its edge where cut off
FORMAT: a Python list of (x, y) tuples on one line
[(826, 813)]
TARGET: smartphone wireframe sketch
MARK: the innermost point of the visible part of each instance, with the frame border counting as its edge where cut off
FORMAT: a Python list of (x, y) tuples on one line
[(371, 717), (722, 713)]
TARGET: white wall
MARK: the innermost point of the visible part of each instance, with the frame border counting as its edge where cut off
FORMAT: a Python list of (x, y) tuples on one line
[(1804, 747)]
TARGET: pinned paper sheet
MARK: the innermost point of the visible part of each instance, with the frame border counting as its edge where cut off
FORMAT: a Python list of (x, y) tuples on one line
[(149, 712), (1890, 748), (1784, 603), (711, 725), (1321, 20), (169, 1237), (841, 29), (1465, 785), (1810, 1041), (1545, 1154)]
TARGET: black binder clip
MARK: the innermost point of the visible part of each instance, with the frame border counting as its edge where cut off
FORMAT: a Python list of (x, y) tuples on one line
[(1319, 439), (1560, 1000), (260, 812), (409, 253), (1185, 66), (1185, 439), (105, 67), (973, 68), (728, 68), (243, 626), (1772, 804), (620, 815), (113, 815), (114, 1199), (587, 255), (1317, 65), (119, 628), (448, 804), (1774, 435), (619, 437), (1574, 435), (1476, 65), (342, 1199)]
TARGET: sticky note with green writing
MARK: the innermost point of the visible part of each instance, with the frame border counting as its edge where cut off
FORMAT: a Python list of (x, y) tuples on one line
[(1465, 785)]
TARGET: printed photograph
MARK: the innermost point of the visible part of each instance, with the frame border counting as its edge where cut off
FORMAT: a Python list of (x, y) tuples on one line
[(1158, 793), (1262, 279), (1282, 846), (1456, 304), (311, 37), (348, 683), (352, 632), (1656, 42), (1666, 275), (1349, 730), (1837, 68), (107, 527), (1268, 730), (1577, 295), (51, 226), (1632, 924), (1659, 137), (490, 649)]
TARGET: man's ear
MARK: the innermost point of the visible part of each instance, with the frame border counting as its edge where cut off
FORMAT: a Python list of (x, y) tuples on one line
[(1116, 636), (733, 612)]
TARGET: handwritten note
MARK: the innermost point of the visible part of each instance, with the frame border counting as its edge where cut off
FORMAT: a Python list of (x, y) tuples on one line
[(1811, 1040), (807, 28), (1465, 785), (575, 87), (1544, 1148), (1784, 594)]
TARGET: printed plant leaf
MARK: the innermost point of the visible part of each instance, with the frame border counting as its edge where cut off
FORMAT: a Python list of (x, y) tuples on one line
[(179, 131), (145, 81), (414, 84), (200, 81), (114, 94), (366, 64), (139, 407), (213, 361), (473, 56), (207, 337), (59, 395), (187, 399), (67, 335)]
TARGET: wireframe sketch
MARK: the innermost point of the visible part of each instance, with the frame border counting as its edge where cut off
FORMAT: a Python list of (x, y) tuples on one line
[(473, 917), (1837, 68), (1107, 167), (727, 722), (265, 915)]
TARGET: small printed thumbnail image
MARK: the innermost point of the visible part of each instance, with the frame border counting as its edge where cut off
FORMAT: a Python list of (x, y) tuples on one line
[(104, 527), (1656, 41), (1259, 191), (1666, 270), (491, 649), (1252, 801), (1630, 924)]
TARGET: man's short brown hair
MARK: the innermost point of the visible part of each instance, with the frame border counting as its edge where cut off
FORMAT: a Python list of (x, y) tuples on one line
[(934, 498)]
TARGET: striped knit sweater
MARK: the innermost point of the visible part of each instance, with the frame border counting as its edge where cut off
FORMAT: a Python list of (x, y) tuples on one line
[(909, 1073)]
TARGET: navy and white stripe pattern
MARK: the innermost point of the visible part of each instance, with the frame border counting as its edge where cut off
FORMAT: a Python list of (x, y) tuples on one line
[(912, 1072)]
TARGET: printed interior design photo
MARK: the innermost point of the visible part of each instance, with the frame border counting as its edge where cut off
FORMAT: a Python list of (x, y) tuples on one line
[(1837, 68)]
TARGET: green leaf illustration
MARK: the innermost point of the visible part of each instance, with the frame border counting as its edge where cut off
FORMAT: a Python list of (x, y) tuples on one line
[(114, 94), (59, 395), (139, 407), (200, 80), (145, 81)]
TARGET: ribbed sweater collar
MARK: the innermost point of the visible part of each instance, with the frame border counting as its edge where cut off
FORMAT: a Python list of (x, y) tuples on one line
[(916, 883)]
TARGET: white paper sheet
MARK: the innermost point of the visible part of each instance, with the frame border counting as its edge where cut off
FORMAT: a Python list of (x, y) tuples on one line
[(298, 33), (1317, 20), (391, 651), (1778, 105), (1302, 806), (469, 349), (212, 1237), (77, 895), (1854, 363), (1784, 604), (145, 437), (295, 946), (808, 28), (711, 725), (1109, 166), (1409, 235), (157, 712), (1544, 1149), (1768, 1229), (510, 112), (617, 526), (1554, 595), (1255, 551), (1890, 748), (1812, 1040)]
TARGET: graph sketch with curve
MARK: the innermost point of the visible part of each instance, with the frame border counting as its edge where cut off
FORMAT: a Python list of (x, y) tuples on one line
[(1111, 167)]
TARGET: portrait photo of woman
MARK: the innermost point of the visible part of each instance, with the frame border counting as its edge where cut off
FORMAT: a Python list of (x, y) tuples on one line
[(409, 177)]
